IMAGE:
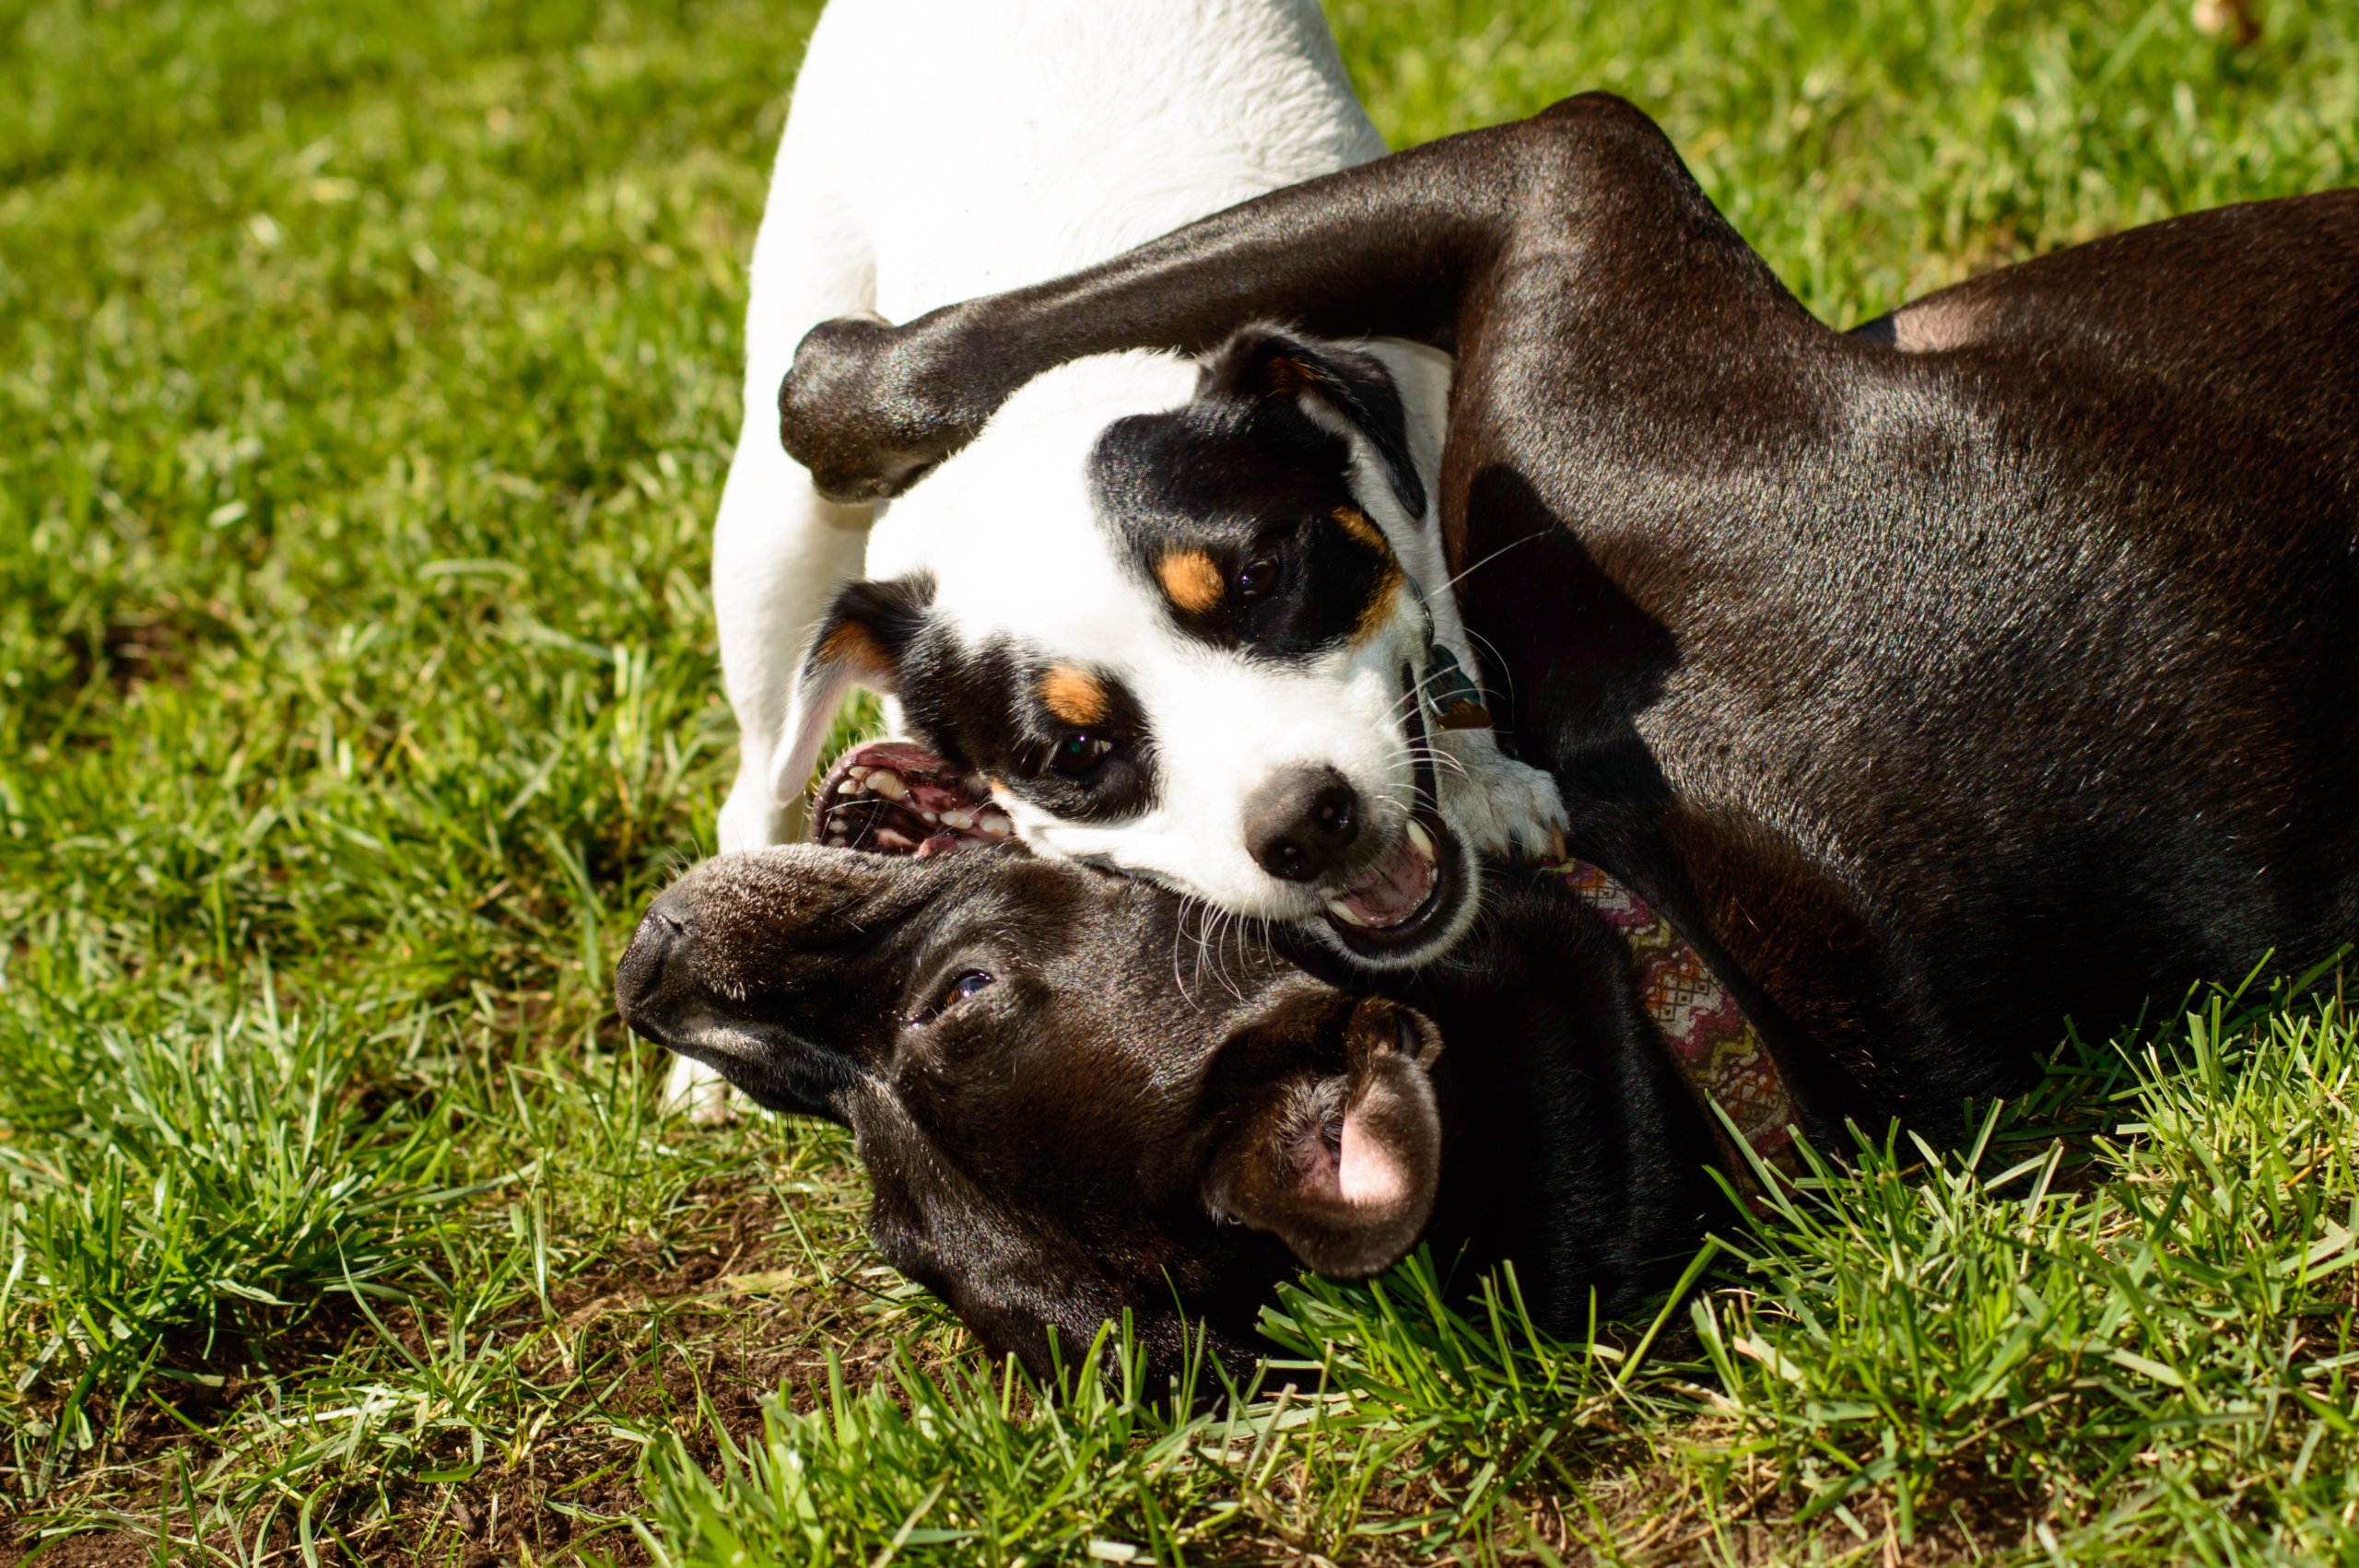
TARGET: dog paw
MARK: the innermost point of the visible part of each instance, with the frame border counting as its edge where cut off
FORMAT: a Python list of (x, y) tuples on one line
[(1502, 808), (699, 1094), (869, 407)]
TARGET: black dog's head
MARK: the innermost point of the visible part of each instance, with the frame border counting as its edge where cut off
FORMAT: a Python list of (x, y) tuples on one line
[(1059, 1120)]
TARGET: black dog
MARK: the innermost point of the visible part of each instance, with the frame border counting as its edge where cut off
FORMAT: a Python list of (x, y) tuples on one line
[(1067, 1110), (1995, 663)]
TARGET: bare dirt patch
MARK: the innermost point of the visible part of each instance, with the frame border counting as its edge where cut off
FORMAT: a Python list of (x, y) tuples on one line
[(683, 1340)]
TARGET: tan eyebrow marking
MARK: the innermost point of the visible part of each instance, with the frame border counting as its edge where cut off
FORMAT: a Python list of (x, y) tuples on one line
[(1356, 523), (1288, 376), (1189, 580), (1382, 598), (855, 645), (1076, 695)]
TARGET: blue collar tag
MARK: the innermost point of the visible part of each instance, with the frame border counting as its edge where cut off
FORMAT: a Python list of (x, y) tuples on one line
[(1454, 700)]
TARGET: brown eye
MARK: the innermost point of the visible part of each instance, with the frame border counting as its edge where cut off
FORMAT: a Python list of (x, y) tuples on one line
[(1077, 755), (965, 986), (958, 990), (1259, 579)]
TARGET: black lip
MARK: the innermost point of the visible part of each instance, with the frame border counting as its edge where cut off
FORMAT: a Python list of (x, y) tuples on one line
[(1388, 944), (1450, 887)]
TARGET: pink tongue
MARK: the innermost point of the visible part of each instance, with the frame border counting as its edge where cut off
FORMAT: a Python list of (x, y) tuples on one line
[(1395, 889)]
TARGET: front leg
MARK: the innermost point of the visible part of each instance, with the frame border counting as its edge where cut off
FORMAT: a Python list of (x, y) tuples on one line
[(1506, 810), (1393, 248), (1408, 246)]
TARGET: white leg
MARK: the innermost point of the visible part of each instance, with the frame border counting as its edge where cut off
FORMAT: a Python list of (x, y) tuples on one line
[(779, 551), (779, 554), (1501, 807)]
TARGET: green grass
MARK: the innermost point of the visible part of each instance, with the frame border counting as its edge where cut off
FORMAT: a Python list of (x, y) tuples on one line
[(367, 374)]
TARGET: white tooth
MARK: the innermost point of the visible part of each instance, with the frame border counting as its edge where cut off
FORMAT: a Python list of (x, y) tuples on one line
[(957, 819), (1343, 912), (858, 771), (887, 783), (838, 841), (996, 824), (1423, 840)]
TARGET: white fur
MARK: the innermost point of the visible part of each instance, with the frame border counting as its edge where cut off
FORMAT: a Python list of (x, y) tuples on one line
[(1007, 530), (941, 150)]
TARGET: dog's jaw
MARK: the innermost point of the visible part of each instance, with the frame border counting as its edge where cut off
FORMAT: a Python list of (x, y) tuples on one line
[(1406, 896)]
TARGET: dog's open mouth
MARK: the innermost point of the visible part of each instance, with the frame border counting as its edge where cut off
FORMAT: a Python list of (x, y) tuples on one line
[(896, 798), (1413, 885), (1419, 885), (1398, 889)]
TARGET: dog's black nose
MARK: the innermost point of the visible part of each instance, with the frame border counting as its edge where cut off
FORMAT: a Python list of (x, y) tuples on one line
[(1298, 825), (641, 970)]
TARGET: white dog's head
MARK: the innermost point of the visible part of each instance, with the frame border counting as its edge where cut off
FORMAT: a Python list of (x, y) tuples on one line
[(1208, 642)]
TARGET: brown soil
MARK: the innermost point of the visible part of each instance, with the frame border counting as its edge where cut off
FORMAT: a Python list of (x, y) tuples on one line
[(744, 1314), (154, 644)]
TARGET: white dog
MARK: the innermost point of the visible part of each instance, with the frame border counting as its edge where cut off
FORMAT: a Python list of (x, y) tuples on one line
[(1240, 710)]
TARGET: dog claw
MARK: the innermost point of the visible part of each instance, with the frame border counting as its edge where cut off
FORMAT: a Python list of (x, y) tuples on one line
[(1504, 807)]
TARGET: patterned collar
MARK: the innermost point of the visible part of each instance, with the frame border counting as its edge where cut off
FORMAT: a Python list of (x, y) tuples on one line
[(1718, 1051)]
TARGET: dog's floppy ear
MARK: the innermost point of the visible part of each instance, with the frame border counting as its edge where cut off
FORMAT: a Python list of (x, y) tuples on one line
[(861, 643), (1340, 1156), (1265, 363)]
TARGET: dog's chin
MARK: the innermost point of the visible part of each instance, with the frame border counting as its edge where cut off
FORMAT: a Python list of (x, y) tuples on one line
[(759, 1060), (1409, 906)]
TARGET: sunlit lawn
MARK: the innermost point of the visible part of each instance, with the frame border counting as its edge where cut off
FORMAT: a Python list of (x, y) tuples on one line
[(367, 374)]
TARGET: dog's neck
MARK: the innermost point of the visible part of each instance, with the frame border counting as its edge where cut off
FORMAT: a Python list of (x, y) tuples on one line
[(1727, 1068), (1571, 1142)]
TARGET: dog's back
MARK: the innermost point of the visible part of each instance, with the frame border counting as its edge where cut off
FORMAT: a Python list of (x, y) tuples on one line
[(951, 147), (981, 145)]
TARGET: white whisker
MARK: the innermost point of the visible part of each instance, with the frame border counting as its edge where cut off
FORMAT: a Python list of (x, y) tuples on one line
[(1506, 677), (1494, 555)]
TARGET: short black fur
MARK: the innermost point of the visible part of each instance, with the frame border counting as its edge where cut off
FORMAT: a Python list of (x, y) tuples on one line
[(1244, 475), (982, 707), (1038, 1152), (1944, 680)]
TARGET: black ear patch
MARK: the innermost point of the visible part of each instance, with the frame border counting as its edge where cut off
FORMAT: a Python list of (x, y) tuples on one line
[(869, 627), (1266, 364), (862, 642)]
